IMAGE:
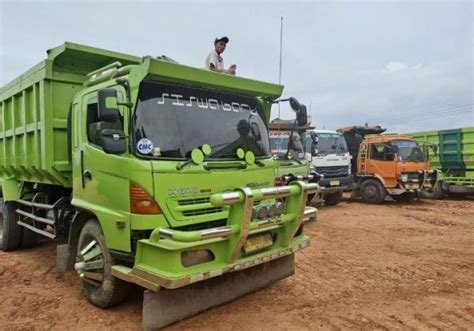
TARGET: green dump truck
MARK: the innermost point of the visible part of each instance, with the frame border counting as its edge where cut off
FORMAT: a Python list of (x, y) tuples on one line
[(454, 160), (150, 172)]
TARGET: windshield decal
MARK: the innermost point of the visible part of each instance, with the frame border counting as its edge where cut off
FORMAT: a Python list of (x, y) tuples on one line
[(204, 103), (145, 146)]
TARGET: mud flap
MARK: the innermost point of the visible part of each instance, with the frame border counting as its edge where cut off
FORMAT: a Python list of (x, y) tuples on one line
[(169, 306)]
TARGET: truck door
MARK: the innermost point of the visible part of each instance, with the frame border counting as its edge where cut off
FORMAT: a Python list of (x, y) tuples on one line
[(101, 183), (381, 162)]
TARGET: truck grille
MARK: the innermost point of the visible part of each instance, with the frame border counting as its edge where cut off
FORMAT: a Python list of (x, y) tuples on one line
[(332, 172), (187, 202), (203, 211), (196, 208)]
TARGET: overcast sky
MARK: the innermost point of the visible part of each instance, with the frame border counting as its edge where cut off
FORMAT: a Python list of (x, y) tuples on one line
[(406, 65)]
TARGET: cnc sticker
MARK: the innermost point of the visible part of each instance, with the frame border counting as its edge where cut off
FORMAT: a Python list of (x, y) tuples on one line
[(144, 146)]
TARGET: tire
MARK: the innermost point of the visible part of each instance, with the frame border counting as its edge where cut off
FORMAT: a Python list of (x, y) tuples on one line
[(372, 191), (110, 291), (435, 193), (333, 199), (456, 196), (10, 231), (29, 239), (404, 197)]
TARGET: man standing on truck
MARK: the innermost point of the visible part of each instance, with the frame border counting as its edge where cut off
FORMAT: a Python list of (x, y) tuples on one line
[(214, 60)]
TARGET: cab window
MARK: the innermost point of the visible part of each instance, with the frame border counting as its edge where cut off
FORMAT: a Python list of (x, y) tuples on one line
[(381, 152)]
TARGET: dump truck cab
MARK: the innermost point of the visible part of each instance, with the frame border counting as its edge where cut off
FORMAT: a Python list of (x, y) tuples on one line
[(392, 164), (287, 149), (329, 156), (147, 171)]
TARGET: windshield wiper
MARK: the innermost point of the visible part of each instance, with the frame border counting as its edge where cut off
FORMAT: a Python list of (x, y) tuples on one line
[(180, 166)]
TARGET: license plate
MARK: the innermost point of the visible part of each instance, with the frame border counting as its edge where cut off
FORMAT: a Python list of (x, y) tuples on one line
[(334, 183), (257, 243)]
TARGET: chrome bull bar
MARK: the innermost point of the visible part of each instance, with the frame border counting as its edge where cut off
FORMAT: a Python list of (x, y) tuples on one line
[(241, 204)]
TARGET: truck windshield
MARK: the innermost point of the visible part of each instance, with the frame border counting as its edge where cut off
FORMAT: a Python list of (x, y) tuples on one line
[(285, 143), (409, 151), (172, 120), (331, 143)]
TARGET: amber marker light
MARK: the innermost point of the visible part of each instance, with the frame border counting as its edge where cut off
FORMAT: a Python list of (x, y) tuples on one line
[(141, 202)]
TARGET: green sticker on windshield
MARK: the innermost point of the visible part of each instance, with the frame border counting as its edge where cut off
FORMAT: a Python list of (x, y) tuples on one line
[(197, 156), (206, 149), (240, 153), (250, 157)]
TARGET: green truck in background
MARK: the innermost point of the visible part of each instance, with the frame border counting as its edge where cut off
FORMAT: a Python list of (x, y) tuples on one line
[(286, 145), (149, 172), (454, 160)]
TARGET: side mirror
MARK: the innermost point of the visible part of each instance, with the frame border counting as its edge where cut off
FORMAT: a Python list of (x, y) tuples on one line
[(302, 116), (394, 148), (314, 150), (113, 141), (107, 105), (435, 149), (314, 137), (295, 105)]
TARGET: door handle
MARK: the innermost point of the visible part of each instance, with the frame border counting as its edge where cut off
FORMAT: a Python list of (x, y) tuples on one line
[(87, 175)]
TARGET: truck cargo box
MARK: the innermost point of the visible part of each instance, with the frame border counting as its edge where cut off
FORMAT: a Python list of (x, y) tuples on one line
[(34, 110), (456, 148)]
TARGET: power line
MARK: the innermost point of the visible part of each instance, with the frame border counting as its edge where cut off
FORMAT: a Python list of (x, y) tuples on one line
[(431, 113), (441, 110), (432, 116)]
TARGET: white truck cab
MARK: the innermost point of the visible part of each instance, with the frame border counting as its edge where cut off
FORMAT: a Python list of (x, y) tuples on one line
[(329, 156)]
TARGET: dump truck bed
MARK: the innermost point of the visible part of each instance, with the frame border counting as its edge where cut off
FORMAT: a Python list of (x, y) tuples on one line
[(34, 109), (455, 157)]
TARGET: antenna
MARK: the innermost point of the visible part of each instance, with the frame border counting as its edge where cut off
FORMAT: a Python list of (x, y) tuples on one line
[(281, 55)]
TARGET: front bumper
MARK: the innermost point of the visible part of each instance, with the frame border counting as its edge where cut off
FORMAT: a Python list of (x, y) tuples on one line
[(158, 261), (423, 179), (337, 184)]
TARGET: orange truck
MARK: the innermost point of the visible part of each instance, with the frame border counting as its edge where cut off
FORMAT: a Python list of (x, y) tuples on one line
[(393, 164)]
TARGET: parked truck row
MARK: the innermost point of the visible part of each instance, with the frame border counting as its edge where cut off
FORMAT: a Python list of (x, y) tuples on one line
[(174, 178)]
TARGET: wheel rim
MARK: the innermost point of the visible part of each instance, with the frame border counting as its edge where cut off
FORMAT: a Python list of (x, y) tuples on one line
[(370, 191), (90, 264)]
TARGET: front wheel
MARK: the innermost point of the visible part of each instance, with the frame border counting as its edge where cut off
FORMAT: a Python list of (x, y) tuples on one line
[(372, 191), (434, 193), (333, 199), (94, 266)]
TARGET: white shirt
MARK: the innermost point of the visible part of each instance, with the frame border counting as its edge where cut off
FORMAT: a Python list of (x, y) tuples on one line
[(215, 59)]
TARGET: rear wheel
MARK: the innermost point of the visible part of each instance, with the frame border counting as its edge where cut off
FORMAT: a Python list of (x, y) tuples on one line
[(10, 231), (372, 191), (404, 197), (333, 199), (94, 266)]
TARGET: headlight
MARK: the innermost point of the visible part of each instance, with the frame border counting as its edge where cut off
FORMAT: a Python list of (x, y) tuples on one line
[(404, 178)]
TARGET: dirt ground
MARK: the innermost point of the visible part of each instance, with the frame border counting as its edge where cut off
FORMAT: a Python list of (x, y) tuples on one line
[(393, 266)]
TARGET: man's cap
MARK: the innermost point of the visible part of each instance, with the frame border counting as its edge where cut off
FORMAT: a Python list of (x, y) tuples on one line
[(225, 40)]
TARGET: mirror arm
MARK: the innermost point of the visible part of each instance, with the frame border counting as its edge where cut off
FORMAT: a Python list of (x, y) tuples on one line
[(126, 104)]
